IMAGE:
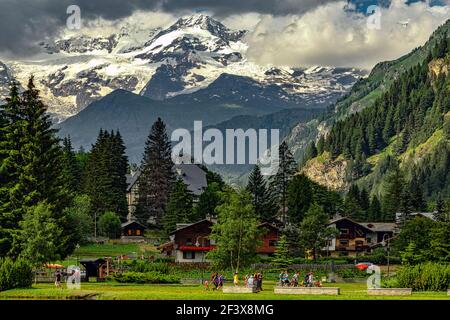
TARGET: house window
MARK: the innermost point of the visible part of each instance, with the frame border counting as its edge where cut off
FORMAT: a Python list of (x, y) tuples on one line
[(138, 232), (343, 242), (344, 231), (129, 232), (359, 242), (272, 243), (188, 255)]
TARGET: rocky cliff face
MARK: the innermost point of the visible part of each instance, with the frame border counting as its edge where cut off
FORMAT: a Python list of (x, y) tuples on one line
[(329, 173)]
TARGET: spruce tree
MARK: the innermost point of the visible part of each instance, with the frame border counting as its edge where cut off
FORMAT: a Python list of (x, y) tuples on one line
[(179, 208), (31, 167), (157, 176), (374, 213), (263, 202), (105, 176), (393, 189), (70, 169), (352, 207), (279, 182)]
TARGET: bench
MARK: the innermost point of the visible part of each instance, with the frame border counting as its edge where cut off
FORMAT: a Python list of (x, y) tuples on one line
[(238, 289), (307, 290), (389, 292)]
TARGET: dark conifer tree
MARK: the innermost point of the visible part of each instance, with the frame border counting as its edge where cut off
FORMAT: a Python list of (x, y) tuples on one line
[(157, 176), (262, 199), (70, 168), (31, 167), (279, 182), (179, 207), (374, 213)]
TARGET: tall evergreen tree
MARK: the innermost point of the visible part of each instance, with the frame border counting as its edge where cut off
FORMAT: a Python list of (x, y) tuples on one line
[(157, 176), (263, 202), (393, 189), (179, 207), (374, 212), (31, 168), (279, 182), (70, 168), (105, 176), (352, 204)]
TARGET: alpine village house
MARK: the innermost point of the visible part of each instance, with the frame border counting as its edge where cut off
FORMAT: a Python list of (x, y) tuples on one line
[(190, 242)]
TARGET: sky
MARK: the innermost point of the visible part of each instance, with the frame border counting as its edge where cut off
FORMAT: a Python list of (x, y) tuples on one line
[(281, 32)]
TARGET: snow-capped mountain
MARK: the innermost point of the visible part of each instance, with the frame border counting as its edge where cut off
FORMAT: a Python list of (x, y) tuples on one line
[(187, 56)]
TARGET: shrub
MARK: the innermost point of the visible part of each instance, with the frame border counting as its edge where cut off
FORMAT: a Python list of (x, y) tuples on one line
[(109, 225), (145, 266), (15, 274), (425, 277), (147, 277)]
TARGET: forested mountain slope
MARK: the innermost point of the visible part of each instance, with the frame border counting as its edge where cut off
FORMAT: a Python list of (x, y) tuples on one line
[(393, 127)]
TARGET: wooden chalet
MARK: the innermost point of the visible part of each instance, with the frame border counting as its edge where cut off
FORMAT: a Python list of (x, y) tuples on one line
[(355, 238), (132, 229), (191, 242)]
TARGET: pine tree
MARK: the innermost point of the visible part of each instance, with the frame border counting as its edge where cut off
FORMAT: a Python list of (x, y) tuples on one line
[(393, 189), (282, 256), (416, 192), (263, 202), (352, 207), (157, 176), (179, 207), (374, 213), (279, 182), (31, 167), (70, 168), (299, 197), (105, 176), (118, 170), (441, 213), (405, 206)]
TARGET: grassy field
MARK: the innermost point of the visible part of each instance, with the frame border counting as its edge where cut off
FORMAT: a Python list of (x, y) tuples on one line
[(113, 291)]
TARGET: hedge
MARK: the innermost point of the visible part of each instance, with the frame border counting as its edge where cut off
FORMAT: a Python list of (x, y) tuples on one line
[(15, 274), (145, 277)]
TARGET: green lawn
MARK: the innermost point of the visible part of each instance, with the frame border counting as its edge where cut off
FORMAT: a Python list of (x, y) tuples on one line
[(111, 291)]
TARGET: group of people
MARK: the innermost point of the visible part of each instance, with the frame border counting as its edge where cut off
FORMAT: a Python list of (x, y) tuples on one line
[(252, 280), (308, 280), (216, 280)]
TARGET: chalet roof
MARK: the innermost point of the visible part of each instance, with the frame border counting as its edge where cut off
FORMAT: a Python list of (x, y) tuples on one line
[(429, 215), (380, 226), (191, 174), (125, 224), (131, 179), (333, 221), (191, 225)]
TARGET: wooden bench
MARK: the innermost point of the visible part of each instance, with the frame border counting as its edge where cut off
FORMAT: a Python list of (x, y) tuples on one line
[(389, 292), (307, 290), (238, 289)]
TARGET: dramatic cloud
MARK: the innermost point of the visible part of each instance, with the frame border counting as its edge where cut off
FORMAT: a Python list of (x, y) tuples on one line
[(25, 22), (331, 35)]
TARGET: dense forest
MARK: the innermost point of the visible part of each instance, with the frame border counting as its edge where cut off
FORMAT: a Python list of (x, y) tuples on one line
[(398, 148)]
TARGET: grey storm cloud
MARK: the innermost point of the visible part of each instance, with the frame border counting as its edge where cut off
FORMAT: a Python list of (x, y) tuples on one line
[(25, 22)]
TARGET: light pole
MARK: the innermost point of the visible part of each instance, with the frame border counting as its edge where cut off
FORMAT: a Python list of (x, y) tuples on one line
[(197, 244), (384, 243)]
